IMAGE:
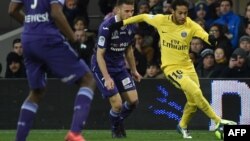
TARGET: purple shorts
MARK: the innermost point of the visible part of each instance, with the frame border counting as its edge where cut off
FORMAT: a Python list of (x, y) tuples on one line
[(123, 82), (42, 53)]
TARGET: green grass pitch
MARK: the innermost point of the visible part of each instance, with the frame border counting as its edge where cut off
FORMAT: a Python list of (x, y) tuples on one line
[(105, 135)]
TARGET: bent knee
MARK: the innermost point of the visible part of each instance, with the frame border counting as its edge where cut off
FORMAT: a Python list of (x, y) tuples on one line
[(117, 107), (87, 81), (134, 104)]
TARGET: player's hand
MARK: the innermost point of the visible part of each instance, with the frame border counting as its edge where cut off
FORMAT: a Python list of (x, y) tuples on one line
[(212, 40), (116, 26), (109, 83), (136, 76)]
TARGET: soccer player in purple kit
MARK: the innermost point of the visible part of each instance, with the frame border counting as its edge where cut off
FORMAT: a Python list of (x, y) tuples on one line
[(44, 46), (108, 66)]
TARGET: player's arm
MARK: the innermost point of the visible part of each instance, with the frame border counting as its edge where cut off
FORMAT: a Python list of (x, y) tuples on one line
[(129, 55), (150, 19), (109, 83), (136, 19), (101, 62), (15, 11), (201, 33), (61, 22)]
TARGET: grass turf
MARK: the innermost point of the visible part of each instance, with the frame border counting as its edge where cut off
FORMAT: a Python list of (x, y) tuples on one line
[(105, 135)]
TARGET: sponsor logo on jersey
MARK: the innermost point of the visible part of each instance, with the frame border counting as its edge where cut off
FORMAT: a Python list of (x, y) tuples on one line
[(127, 83), (184, 34), (115, 35), (117, 49), (37, 18), (174, 44)]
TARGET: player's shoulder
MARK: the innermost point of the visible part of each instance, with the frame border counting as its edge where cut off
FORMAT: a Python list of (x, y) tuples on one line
[(107, 22), (155, 16), (190, 22)]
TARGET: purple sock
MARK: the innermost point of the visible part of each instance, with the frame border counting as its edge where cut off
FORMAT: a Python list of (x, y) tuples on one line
[(114, 118), (126, 110), (27, 114), (81, 109)]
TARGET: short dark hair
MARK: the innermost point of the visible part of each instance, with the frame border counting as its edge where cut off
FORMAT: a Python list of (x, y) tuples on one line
[(230, 2), (179, 3), (80, 18), (153, 63), (129, 2), (17, 40)]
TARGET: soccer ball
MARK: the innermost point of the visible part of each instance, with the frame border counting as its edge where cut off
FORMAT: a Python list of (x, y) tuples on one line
[(219, 132)]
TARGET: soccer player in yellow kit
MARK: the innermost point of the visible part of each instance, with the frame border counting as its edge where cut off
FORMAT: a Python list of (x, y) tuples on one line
[(176, 31)]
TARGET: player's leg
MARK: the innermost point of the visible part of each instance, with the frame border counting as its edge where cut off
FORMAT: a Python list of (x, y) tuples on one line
[(199, 100), (36, 79), (114, 114), (130, 104), (184, 79), (82, 104), (195, 93), (126, 86), (27, 114), (81, 107), (67, 66), (189, 110), (128, 91), (187, 80), (190, 106), (114, 100)]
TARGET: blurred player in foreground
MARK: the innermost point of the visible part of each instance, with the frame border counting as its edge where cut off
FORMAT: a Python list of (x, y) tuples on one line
[(44, 47)]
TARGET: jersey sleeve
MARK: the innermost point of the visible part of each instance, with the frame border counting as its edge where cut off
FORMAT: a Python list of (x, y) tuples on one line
[(148, 18), (200, 32), (103, 36)]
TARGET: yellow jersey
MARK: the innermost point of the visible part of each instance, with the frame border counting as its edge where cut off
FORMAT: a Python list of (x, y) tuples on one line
[(174, 39)]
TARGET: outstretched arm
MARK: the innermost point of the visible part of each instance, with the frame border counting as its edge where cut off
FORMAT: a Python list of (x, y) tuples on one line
[(136, 19), (210, 40), (150, 19)]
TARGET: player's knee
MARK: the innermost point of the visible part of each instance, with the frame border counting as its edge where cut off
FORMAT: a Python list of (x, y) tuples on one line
[(117, 107), (192, 107), (87, 81), (134, 104), (36, 95)]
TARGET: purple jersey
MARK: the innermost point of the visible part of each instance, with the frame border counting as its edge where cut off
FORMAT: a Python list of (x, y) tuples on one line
[(45, 48), (38, 20), (115, 44)]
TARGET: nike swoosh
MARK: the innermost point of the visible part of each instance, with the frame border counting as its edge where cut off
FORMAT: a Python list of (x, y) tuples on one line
[(105, 28)]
